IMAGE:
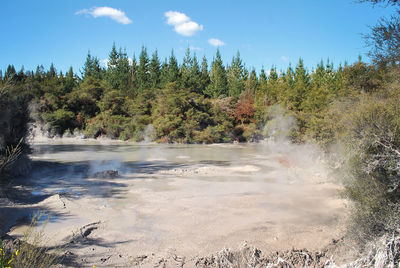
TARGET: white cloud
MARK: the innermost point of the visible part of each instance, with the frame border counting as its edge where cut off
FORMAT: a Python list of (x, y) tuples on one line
[(216, 42), (183, 25), (193, 48), (115, 14), (104, 62), (284, 58)]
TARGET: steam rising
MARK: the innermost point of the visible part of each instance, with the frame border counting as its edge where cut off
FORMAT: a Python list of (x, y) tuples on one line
[(280, 126)]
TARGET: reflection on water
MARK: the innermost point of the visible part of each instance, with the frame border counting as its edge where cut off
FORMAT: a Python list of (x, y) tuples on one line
[(66, 168)]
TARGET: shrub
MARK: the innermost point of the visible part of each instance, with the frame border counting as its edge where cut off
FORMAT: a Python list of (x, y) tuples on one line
[(6, 258), (9, 158), (14, 118), (31, 251), (60, 120), (373, 168)]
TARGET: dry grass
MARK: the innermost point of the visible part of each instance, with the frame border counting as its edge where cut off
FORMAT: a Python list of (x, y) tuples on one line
[(32, 250)]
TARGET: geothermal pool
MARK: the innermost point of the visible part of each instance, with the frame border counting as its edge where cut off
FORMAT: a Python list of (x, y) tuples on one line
[(180, 200)]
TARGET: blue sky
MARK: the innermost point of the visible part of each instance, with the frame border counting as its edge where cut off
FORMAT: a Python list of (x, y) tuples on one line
[(265, 32)]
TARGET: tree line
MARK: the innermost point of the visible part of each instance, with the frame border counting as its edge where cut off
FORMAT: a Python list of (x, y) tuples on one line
[(190, 102)]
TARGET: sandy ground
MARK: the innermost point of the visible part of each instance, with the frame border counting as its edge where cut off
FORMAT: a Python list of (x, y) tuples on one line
[(163, 210)]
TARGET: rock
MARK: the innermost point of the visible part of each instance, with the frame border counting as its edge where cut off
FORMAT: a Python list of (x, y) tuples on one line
[(106, 174)]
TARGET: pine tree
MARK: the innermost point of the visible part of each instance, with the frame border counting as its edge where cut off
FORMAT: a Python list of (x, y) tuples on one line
[(285, 91), (252, 83), (123, 72), (236, 76), (20, 76), (300, 88), (173, 69), (164, 73), (185, 69), (88, 66), (92, 67), (111, 74), (133, 79), (39, 74), (70, 82), (218, 80), (52, 71), (261, 100), (113, 57), (317, 95), (119, 71), (10, 73), (143, 71), (205, 77), (263, 81), (155, 71), (195, 76)]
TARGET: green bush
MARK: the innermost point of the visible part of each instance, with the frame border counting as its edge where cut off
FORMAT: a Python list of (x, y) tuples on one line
[(14, 118), (60, 120), (179, 115), (107, 124), (372, 172), (6, 258)]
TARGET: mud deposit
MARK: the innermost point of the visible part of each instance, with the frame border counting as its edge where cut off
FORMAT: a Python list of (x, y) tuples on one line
[(176, 201)]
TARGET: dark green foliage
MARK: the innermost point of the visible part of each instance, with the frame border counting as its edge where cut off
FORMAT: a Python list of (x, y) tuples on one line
[(195, 77), (14, 117), (10, 73), (189, 102), (223, 128), (173, 74), (124, 100), (252, 83), (263, 81), (107, 124), (362, 77), (52, 73), (113, 57), (112, 101), (139, 113), (143, 71), (185, 69), (373, 175), (92, 68), (180, 115), (218, 80), (205, 76), (300, 86), (236, 81), (60, 120), (164, 73), (155, 71), (118, 75), (123, 73), (272, 87), (83, 100)]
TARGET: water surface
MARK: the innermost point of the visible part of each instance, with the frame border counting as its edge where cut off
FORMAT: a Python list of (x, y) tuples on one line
[(191, 199)]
